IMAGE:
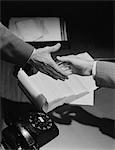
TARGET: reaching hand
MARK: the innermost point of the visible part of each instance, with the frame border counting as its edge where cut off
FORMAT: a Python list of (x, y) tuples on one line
[(43, 61), (76, 64)]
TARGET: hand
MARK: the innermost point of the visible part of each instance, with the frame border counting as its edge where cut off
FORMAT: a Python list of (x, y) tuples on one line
[(43, 61), (76, 64)]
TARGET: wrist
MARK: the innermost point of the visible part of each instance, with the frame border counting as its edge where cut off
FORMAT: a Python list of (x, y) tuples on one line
[(88, 68)]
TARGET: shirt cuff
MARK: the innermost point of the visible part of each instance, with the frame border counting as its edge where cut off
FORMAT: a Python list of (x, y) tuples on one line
[(94, 68), (31, 55)]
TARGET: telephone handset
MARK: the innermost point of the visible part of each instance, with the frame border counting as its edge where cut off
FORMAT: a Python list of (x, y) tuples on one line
[(31, 131)]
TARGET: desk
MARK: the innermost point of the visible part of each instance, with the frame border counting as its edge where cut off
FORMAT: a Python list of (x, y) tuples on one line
[(91, 29), (75, 135), (80, 137)]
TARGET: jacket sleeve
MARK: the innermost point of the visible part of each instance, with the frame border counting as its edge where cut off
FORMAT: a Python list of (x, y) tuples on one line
[(105, 74), (12, 48)]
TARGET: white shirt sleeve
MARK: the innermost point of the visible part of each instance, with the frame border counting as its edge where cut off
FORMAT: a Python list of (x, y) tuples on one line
[(94, 68), (31, 55)]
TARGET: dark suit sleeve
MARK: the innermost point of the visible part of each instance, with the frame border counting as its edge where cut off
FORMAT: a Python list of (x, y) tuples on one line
[(12, 48), (105, 74)]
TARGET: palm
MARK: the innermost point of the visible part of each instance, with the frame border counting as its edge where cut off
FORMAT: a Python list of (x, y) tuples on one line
[(44, 62)]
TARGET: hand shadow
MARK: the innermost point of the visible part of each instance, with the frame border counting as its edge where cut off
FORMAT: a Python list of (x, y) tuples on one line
[(66, 113)]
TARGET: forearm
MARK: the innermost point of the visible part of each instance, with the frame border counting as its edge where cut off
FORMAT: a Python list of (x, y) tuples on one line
[(105, 74), (12, 48)]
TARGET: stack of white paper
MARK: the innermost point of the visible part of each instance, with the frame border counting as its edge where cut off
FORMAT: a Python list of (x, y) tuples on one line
[(75, 90), (36, 29)]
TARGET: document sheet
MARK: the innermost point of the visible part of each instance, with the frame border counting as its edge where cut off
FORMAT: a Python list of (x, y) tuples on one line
[(36, 29), (76, 90)]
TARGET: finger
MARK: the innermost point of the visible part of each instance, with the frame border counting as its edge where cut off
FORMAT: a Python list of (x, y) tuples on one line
[(67, 70), (54, 48), (51, 72), (55, 73), (47, 72), (65, 65), (41, 67), (47, 69), (64, 68), (64, 58), (58, 62), (58, 69)]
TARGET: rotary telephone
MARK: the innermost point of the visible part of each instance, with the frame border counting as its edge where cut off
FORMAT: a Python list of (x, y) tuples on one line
[(29, 132)]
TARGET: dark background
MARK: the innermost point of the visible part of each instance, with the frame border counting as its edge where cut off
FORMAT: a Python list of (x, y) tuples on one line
[(90, 27), (89, 23)]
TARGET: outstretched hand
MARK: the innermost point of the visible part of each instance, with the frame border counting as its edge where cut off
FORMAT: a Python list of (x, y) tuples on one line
[(43, 61), (76, 64)]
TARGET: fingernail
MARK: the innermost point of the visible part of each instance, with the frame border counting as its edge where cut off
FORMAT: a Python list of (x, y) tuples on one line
[(58, 57)]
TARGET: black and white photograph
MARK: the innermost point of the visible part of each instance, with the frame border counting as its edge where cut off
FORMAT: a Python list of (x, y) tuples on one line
[(57, 75)]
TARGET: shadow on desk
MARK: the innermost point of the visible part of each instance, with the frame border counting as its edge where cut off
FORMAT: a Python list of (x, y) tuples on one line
[(66, 113), (62, 115)]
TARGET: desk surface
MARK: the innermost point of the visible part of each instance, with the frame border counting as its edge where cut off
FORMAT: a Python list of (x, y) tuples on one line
[(75, 136), (80, 137), (91, 30)]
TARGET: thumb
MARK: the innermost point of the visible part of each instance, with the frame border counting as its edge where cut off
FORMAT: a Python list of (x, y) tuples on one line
[(54, 48), (64, 58)]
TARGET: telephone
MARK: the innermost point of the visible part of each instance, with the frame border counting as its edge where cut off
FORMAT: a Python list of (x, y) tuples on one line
[(32, 130), (29, 132)]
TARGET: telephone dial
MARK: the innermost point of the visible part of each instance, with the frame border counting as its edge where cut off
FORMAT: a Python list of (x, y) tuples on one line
[(29, 132)]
